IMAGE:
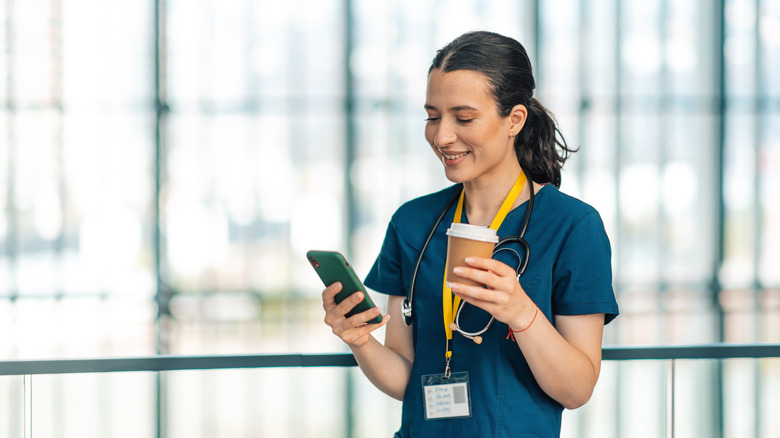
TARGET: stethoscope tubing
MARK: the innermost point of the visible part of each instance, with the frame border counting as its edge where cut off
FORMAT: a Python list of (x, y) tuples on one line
[(407, 304)]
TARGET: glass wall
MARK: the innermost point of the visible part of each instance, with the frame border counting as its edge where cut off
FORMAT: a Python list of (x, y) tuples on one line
[(77, 272), (165, 165)]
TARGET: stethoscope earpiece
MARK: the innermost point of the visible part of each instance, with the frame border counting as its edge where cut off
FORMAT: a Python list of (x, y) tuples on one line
[(476, 338)]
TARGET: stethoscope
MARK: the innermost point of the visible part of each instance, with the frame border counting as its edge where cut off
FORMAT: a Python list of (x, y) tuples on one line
[(502, 245)]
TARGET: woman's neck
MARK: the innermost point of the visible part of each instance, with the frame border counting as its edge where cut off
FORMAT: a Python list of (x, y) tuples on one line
[(483, 198)]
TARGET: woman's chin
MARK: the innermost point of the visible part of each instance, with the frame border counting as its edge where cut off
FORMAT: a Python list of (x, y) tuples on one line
[(455, 177)]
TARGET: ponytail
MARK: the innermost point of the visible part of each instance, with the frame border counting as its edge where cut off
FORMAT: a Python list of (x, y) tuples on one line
[(536, 146)]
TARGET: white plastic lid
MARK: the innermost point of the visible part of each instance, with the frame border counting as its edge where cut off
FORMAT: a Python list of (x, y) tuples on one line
[(473, 232)]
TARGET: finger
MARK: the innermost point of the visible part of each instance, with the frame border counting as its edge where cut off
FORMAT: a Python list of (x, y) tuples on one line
[(329, 295), (494, 274), (349, 303), (488, 264), (363, 317), (488, 300), (358, 335), (488, 278), (473, 294)]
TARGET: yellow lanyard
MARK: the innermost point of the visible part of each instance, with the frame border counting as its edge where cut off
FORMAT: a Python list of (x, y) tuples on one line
[(449, 305)]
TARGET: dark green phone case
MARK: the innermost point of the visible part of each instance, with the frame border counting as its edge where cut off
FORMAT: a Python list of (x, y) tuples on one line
[(331, 267)]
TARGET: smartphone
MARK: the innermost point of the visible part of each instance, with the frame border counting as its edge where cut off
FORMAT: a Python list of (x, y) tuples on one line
[(331, 267)]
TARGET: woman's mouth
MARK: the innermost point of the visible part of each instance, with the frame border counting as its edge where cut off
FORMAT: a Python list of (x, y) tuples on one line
[(452, 156)]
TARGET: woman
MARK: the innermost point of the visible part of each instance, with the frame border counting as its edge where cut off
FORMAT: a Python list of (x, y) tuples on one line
[(543, 352)]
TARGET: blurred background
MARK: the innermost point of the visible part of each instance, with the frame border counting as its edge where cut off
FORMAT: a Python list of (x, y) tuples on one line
[(165, 165)]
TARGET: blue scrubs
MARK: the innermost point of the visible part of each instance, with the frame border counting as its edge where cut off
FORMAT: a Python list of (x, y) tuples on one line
[(569, 273)]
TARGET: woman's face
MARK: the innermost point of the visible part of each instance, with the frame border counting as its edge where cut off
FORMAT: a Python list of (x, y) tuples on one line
[(465, 129)]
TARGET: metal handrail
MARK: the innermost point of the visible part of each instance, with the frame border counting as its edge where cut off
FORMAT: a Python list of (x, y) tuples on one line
[(705, 351), (204, 362)]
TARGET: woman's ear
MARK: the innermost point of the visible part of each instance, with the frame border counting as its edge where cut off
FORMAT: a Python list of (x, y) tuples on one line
[(517, 118)]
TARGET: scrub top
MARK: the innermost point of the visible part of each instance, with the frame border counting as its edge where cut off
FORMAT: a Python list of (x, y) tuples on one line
[(569, 273)]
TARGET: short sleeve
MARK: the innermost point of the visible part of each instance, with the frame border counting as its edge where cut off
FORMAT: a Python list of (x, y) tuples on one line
[(582, 275), (385, 275)]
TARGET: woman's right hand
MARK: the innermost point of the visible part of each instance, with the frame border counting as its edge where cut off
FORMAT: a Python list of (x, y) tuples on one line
[(354, 331)]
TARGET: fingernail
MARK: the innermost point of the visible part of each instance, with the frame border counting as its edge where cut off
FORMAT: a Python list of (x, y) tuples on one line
[(458, 270), (469, 259)]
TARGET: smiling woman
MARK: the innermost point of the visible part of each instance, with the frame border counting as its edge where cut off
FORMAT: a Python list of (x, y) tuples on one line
[(544, 352)]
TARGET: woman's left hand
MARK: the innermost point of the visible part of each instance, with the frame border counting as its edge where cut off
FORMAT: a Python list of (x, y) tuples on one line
[(504, 297)]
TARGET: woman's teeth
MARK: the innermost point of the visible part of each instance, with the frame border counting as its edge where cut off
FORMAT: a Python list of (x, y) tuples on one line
[(454, 157)]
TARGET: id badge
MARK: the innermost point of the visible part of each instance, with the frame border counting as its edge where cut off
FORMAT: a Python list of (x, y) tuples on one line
[(446, 397)]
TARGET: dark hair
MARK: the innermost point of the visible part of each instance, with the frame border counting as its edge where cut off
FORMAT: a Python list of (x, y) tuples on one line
[(506, 64)]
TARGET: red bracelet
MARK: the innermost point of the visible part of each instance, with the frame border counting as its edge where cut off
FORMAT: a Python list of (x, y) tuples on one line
[(529, 325)]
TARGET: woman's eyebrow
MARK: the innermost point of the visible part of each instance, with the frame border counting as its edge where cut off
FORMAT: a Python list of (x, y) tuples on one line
[(463, 108), (454, 108)]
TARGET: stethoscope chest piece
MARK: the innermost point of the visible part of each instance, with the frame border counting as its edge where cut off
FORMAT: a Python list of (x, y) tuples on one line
[(406, 311)]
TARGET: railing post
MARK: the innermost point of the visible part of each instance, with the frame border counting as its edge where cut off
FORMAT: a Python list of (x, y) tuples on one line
[(27, 426), (670, 400)]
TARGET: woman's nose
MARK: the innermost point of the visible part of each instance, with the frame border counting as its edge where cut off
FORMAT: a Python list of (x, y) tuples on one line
[(445, 135)]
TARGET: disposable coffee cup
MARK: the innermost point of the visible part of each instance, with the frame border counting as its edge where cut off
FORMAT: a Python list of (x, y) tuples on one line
[(465, 240)]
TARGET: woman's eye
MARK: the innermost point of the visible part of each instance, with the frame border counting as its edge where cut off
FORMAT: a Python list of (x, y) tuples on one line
[(431, 119), (465, 121)]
